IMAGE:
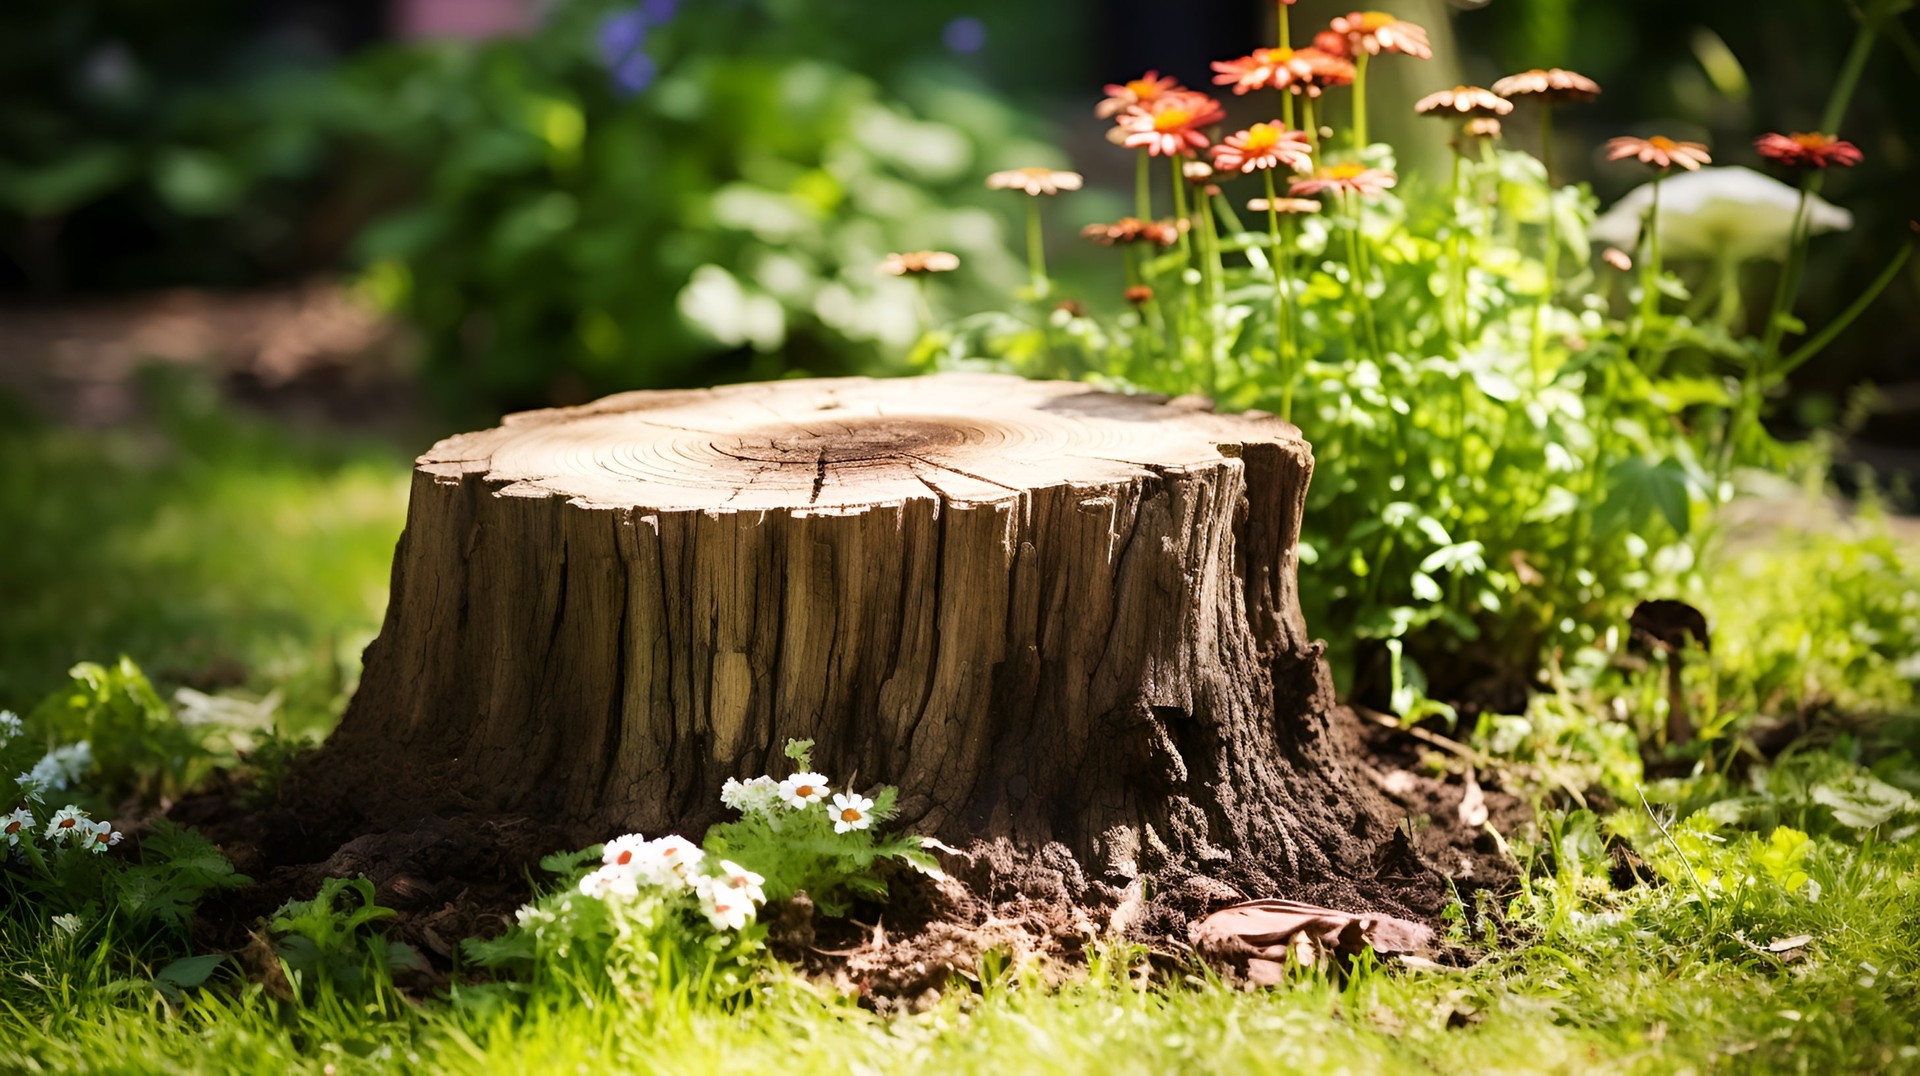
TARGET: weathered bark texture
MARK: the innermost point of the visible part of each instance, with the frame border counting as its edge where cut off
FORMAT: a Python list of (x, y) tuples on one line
[(1057, 616)]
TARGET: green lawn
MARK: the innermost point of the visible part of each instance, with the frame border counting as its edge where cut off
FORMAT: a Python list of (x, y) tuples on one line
[(220, 551), (216, 551)]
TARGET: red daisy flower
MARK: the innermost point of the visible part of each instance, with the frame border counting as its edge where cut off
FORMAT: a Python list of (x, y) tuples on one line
[(1124, 95), (1347, 178), (1170, 125), (1375, 32), (1808, 150), (1261, 147), (1660, 152)]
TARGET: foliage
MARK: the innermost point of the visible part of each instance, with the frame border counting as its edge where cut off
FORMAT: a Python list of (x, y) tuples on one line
[(584, 226), (59, 873), (1512, 448), (142, 749), (652, 944), (803, 850), (327, 945)]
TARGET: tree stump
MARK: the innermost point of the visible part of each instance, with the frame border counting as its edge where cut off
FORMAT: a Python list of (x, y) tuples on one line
[(1060, 619)]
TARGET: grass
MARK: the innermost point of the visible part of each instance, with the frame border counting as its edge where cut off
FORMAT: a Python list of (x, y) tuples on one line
[(204, 542), (217, 551), (1641, 989)]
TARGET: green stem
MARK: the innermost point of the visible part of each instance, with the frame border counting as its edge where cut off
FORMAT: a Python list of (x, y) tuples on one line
[(1360, 101), (1850, 71), (1180, 206), (1036, 250), (1650, 276), (1539, 350), (1458, 241), (1357, 286), (1280, 316), (1143, 188), (1785, 286), (1313, 129), (1839, 325), (1286, 37)]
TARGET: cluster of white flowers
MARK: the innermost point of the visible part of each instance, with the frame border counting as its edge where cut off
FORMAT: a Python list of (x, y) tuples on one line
[(729, 897), (763, 795), (56, 771), (69, 826), (10, 726)]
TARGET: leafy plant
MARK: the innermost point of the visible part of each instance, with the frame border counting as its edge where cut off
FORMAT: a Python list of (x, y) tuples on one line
[(1510, 450), (328, 947), (815, 850)]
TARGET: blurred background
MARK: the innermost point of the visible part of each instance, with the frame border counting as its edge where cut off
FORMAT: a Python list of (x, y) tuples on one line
[(254, 253)]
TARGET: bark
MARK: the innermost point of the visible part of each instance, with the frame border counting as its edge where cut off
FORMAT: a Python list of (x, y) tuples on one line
[(1059, 619)]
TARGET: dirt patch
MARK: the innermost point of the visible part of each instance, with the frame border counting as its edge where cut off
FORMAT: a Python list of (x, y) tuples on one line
[(453, 875)]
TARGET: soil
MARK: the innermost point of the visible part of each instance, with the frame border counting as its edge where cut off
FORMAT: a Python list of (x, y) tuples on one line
[(451, 876)]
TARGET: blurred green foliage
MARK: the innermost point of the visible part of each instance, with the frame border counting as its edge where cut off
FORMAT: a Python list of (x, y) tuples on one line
[(574, 236)]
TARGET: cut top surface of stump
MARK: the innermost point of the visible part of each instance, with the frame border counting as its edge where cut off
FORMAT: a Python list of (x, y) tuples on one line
[(845, 443)]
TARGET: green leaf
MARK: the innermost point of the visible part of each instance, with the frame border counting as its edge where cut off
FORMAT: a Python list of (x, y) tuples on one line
[(1863, 801), (1638, 490)]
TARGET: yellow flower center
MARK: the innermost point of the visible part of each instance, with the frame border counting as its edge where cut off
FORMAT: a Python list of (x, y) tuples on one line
[(1143, 89), (1262, 137), (1811, 141), (1662, 142), (1173, 119), (850, 815), (1345, 171)]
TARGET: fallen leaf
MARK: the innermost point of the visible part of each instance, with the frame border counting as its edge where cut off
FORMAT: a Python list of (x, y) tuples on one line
[(1264, 936), (1785, 945)]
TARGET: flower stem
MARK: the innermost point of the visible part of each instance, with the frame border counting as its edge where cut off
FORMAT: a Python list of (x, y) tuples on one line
[(1363, 304), (1307, 124), (1360, 100), (1458, 241), (1539, 350), (1036, 250), (1143, 188), (1285, 36), (1282, 318), (1650, 277), (1785, 285), (1180, 222)]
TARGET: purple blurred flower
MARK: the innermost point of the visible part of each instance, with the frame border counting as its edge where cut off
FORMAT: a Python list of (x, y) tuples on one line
[(965, 35), (621, 33), (623, 39), (634, 74)]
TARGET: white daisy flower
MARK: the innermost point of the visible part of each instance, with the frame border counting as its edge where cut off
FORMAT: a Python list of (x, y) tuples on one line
[(31, 787), (802, 789), (671, 861), (48, 775), (69, 824), (741, 881), (74, 760), (757, 796), (10, 726), (16, 827), (625, 852), (101, 836), (725, 907), (851, 811), (610, 882)]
